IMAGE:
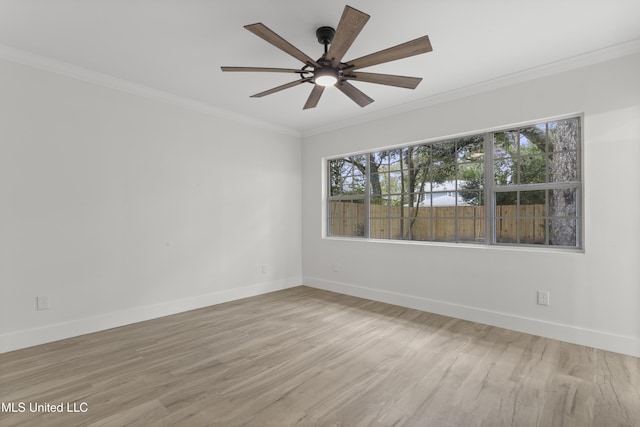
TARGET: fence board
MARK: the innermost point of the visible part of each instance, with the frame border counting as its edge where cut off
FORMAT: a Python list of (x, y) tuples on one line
[(439, 223)]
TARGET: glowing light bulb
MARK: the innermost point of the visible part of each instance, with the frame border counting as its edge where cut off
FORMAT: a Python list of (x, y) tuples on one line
[(326, 80), (325, 76)]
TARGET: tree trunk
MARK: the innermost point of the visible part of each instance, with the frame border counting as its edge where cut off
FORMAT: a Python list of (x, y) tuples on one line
[(374, 176), (562, 203)]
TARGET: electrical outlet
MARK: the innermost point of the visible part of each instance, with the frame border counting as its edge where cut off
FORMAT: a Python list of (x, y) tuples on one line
[(42, 303), (335, 267), (265, 268), (543, 297)]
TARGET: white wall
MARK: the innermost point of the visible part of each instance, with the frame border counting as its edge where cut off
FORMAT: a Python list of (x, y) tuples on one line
[(121, 208), (595, 295)]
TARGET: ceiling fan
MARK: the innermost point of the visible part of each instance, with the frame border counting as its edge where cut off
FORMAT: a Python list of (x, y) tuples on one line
[(329, 70)]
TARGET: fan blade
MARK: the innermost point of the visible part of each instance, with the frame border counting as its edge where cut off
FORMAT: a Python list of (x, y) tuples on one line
[(314, 97), (404, 50), (279, 88), (265, 33), (265, 69), (354, 93), (350, 25), (385, 79)]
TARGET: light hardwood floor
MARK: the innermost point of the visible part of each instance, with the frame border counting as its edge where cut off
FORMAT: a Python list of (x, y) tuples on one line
[(308, 357)]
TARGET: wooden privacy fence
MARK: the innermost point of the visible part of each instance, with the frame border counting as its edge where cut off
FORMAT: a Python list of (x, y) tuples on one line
[(440, 223)]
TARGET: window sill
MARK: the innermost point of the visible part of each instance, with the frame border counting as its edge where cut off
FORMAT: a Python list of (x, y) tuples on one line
[(467, 245)]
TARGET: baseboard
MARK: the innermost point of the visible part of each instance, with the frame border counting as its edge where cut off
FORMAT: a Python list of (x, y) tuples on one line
[(568, 333), (49, 333)]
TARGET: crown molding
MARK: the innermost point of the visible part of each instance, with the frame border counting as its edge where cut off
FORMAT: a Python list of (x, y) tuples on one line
[(69, 70), (76, 72), (601, 55)]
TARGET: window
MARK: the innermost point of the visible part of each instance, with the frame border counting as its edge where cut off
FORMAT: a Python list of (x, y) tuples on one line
[(537, 184), (516, 186), (347, 188)]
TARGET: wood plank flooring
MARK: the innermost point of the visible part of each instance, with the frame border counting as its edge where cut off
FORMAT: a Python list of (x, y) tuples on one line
[(306, 357)]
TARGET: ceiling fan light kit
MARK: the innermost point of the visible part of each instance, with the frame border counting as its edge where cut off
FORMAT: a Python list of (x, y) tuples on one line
[(325, 76), (329, 70)]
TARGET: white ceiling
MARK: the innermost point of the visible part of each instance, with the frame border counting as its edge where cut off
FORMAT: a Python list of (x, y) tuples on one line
[(176, 47)]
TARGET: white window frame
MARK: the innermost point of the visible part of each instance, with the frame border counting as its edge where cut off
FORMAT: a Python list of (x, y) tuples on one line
[(490, 190)]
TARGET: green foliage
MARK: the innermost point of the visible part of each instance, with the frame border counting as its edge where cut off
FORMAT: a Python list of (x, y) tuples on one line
[(347, 176), (520, 158), (472, 178)]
